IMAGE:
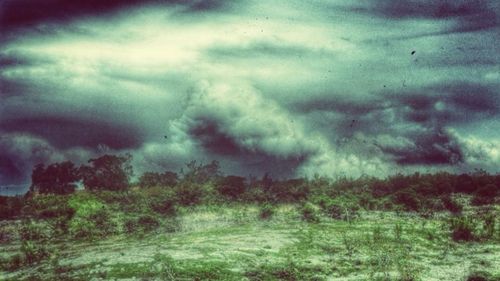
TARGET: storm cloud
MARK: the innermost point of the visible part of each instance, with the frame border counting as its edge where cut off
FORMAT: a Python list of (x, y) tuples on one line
[(292, 88)]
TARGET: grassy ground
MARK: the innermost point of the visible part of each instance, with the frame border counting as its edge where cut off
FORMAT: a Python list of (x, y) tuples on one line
[(233, 243)]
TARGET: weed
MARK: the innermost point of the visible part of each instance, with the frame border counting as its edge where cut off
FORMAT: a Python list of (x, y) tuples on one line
[(266, 211)]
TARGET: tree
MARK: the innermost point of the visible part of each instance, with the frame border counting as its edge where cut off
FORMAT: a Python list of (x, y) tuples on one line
[(150, 179), (58, 178), (109, 172), (202, 173)]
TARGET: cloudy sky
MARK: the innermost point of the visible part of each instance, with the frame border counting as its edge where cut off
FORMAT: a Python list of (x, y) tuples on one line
[(290, 87)]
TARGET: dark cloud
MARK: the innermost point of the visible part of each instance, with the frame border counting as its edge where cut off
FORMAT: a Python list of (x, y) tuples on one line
[(64, 132), (466, 15), (212, 139), (27, 15)]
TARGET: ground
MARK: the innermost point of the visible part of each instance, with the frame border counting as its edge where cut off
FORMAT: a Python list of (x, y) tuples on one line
[(233, 243)]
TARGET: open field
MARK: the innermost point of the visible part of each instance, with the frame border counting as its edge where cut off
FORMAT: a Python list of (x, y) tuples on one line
[(234, 243)]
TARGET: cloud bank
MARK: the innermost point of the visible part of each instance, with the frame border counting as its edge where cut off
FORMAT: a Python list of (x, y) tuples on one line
[(290, 88)]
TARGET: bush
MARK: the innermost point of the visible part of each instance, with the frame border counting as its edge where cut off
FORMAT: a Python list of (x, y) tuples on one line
[(451, 205), (10, 207), (232, 186), (33, 231), (33, 252), (164, 206), (92, 217), (148, 223), (462, 229), (309, 213), (340, 208), (189, 193), (294, 190), (409, 199), (266, 211), (485, 195)]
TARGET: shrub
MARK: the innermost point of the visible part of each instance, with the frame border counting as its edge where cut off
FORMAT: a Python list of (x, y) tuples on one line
[(341, 208), (33, 231), (462, 229), (451, 205), (294, 190), (189, 193), (92, 217), (10, 207), (33, 252), (148, 223), (232, 186), (309, 213), (409, 199), (266, 211), (164, 206), (485, 195)]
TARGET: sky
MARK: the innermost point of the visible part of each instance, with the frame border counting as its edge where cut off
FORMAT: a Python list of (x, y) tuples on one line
[(293, 88)]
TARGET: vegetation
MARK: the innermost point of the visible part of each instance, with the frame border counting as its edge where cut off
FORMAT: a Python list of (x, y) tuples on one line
[(379, 227)]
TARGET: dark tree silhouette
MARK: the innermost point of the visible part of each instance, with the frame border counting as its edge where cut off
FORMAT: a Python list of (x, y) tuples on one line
[(109, 172), (56, 178), (232, 186)]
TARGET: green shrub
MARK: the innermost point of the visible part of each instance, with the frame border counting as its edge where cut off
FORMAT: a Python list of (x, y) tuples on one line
[(451, 205), (92, 217), (164, 206), (339, 208), (266, 211), (409, 199), (148, 223), (10, 207), (30, 230), (462, 229), (231, 187), (309, 213), (189, 193), (33, 252)]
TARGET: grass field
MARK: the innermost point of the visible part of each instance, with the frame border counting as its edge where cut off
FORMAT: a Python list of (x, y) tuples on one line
[(234, 243)]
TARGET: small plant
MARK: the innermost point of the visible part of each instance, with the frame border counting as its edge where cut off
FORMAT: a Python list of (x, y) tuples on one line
[(33, 252), (310, 213), (165, 206), (148, 223), (451, 205), (462, 229), (398, 231), (266, 211)]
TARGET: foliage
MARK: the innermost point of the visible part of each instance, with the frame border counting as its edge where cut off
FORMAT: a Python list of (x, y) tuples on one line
[(309, 212), (56, 178), (266, 211), (151, 179), (451, 204), (107, 172), (409, 199), (462, 228), (231, 187), (10, 207), (201, 173), (340, 208)]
